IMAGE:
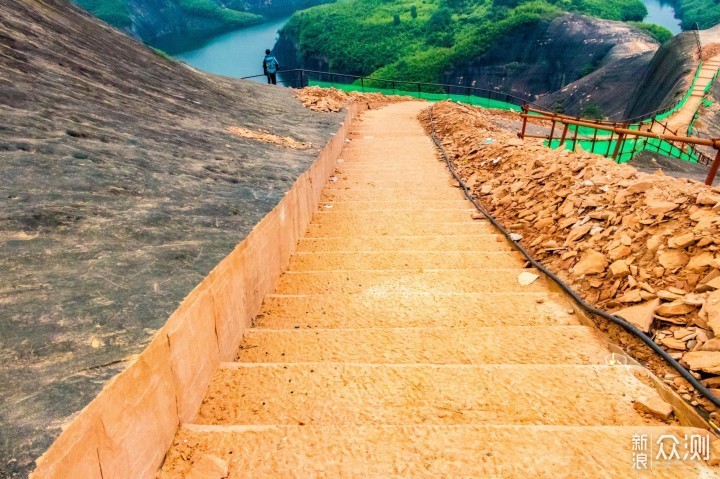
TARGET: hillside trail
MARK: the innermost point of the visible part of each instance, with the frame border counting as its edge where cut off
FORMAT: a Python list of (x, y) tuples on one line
[(680, 120), (400, 343)]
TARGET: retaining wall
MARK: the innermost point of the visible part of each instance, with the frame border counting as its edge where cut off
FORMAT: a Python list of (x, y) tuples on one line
[(127, 429)]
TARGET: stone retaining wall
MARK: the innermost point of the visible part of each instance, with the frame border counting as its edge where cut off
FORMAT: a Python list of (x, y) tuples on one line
[(126, 430)]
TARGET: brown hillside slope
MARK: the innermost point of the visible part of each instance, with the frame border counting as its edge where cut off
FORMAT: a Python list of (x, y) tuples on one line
[(120, 188)]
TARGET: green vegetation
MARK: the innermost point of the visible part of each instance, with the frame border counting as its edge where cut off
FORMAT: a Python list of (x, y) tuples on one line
[(211, 10), (706, 13), (117, 12), (593, 111), (114, 12), (161, 53), (418, 40), (658, 32)]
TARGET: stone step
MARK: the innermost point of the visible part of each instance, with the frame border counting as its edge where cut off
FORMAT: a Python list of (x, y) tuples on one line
[(402, 166), (390, 228), (357, 165), (416, 310), (405, 260), (397, 178), (476, 243), (405, 183), (397, 394), (431, 452), (386, 143), (440, 345), (386, 158), (419, 193), (383, 154), (396, 205), (402, 218), (380, 282)]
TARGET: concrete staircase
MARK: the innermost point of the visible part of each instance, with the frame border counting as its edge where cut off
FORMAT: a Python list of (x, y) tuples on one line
[(400, 344)]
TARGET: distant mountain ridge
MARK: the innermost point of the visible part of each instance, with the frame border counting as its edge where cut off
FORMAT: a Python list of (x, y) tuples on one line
[(152, 20)]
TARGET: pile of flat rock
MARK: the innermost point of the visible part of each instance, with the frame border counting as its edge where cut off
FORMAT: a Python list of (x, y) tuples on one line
[(645, 247), (328, 100)]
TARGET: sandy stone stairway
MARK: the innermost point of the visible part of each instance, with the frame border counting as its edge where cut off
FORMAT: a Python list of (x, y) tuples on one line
[(400, 344)]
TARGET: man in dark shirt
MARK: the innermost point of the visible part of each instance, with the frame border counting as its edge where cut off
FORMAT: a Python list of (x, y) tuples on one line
[(270, 67)]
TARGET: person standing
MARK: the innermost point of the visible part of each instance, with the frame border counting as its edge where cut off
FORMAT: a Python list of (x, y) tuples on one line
[(270, 67)]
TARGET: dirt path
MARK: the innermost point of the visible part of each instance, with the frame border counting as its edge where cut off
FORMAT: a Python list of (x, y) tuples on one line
[(681, 119), (400, 344)]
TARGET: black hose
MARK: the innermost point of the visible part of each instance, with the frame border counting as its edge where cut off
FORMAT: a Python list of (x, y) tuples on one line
[(629, 327)]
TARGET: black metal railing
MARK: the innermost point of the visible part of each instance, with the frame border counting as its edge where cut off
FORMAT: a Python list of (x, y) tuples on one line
[(300, 78)]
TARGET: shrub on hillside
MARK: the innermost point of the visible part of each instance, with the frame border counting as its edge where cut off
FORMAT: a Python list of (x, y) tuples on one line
[(211, 10), (658, 32), (114, 12), (706, 13)]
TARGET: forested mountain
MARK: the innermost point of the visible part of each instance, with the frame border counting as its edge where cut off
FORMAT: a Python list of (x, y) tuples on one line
[(151, 20), (706, 13), (422, 39)]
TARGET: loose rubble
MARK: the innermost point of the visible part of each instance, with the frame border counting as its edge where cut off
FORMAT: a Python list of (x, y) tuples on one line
[(333, 100), (646, 247), (709, 51), (654, 405), (209, 467)]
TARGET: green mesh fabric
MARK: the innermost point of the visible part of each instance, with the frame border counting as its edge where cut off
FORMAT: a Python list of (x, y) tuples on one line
[(604, 141)]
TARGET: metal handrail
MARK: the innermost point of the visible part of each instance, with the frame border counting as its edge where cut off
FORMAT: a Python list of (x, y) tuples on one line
[(687, 145), (524, 103), (422, 87), (487, 93), (696, 29)]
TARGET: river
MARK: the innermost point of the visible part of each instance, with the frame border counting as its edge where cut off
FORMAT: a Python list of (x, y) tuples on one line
[(235, 54), (662, 13)]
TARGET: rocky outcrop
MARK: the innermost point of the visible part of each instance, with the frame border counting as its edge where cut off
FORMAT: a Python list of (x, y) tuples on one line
[(667, 77), (287, 49), (161, 22), (565, 64), (155, 20), (123, 186), (548, 56), (607, 90), (277, 8)]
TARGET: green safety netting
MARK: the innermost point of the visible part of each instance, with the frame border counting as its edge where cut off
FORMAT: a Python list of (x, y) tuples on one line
[(684, 99), (631, 147), (603, 143), (467, 99)]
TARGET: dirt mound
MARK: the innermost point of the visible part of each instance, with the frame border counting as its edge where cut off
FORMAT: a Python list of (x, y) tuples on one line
[(285, 141), (644, 246), (334, 100), (710, 51)]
